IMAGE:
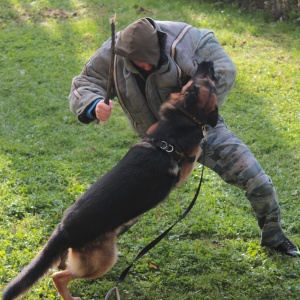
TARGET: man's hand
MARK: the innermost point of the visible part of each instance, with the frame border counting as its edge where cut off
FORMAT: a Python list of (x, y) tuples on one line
[(103, 110)]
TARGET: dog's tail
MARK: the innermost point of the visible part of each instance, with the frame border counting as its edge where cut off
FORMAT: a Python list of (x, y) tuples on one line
[(39, 266)]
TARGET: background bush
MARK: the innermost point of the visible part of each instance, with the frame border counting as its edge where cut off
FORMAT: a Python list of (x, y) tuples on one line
[(278, 9)]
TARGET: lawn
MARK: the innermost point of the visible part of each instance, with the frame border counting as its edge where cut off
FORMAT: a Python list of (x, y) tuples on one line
[(48, 159)]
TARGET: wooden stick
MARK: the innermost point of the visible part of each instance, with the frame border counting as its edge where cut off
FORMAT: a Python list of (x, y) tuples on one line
[(112, 59)]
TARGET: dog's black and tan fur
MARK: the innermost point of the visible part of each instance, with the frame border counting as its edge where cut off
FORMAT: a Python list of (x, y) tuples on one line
[(141, 180)]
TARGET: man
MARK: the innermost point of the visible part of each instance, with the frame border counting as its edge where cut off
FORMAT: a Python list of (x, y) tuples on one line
[(154, 59)]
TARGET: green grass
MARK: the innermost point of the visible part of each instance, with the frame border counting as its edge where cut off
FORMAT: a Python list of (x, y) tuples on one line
[(48, 159)]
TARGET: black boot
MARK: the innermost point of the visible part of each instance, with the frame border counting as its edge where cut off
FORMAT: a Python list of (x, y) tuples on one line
[(289, 248)]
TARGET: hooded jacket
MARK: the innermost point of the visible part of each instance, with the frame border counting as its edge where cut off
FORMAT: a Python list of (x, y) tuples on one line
[(182, 47), (139, 41)]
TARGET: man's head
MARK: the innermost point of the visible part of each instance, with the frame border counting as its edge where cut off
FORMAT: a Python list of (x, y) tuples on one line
[(139, 42)]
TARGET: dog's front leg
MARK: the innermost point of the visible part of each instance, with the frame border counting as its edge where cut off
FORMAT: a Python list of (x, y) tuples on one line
[(61, 281), (187, 167)]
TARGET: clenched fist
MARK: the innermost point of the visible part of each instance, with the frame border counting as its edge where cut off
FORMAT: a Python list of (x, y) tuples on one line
[(103, 111)]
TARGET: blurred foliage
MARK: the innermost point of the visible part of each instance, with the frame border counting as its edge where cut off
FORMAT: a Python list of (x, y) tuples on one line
[(276, 9)]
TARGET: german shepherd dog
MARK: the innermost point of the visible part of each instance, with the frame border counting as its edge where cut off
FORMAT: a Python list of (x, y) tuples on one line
[(142, 179)]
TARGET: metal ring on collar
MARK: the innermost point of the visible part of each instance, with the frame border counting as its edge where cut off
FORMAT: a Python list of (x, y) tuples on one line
[(166, 147)]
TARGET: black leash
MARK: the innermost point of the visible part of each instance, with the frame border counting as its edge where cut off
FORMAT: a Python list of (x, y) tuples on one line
[(161, 236)]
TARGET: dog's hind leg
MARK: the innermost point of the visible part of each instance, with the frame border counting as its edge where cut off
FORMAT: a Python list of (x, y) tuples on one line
[(90, 261), (61, 281)]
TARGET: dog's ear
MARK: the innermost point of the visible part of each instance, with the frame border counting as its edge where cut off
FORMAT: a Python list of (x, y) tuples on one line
[(205, 68)]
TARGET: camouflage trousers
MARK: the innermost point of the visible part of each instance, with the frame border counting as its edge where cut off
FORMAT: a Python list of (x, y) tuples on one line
[(231, 159)]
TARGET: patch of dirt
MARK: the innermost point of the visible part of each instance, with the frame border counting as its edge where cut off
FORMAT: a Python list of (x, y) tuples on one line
[(57, 13), (142, 10), (23, 15)]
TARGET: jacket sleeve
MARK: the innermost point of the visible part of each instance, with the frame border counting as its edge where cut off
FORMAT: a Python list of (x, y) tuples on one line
[(225, 70), (91, 83), (200, 45)]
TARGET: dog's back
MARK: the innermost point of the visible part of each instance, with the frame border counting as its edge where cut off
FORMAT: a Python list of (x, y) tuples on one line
[(142, 179)]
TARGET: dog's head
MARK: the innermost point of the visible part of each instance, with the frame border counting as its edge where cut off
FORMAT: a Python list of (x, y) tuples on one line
[(198, 98)]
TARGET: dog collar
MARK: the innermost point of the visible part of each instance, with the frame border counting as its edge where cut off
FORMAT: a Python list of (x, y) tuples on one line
[(178, 156), (191, 117)]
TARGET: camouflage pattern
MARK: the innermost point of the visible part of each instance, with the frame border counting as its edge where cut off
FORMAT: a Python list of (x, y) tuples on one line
[(229, 157)]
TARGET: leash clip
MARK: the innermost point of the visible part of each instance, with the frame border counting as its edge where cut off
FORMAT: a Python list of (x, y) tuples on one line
[(115, 291)]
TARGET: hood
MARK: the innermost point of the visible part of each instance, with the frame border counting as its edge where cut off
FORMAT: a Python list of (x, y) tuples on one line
[(139, 41)]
